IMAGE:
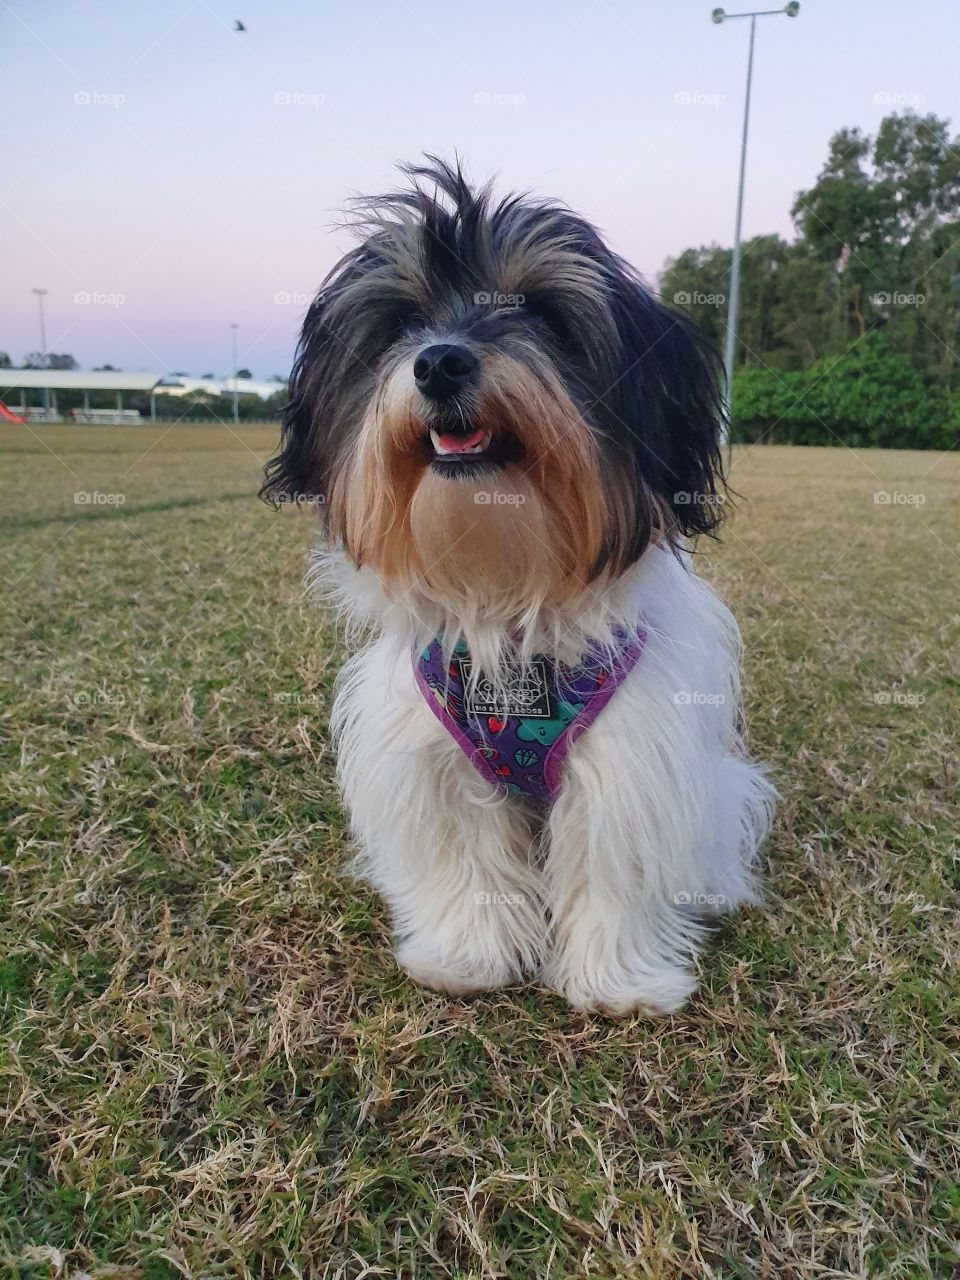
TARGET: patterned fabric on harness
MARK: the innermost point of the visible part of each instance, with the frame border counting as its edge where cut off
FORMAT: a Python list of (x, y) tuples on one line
[(518, 738)]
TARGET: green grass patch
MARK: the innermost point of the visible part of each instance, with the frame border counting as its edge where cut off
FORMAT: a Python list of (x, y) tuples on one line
[(210, 1064)]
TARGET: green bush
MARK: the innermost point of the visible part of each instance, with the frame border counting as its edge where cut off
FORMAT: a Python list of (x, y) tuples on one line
[(201, 407), (872, 395)]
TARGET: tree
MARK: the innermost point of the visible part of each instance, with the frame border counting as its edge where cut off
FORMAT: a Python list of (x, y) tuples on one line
[(272, 405), (772, 328), (876, 251), (244, 373), (52, 360), (877, 215)]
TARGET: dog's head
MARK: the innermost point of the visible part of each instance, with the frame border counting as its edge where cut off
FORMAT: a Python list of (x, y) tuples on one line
[(489, 406)]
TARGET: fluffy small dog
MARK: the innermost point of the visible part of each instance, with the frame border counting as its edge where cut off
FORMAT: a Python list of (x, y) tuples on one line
[(511, 443)]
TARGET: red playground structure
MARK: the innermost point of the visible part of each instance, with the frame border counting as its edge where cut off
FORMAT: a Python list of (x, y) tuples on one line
[(9, 415)]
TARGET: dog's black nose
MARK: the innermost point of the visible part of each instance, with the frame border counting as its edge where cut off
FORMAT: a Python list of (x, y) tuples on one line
[(443, 369)]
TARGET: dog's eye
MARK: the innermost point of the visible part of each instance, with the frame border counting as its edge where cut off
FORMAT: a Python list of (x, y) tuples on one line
[(540, 308), (546, 312), (408, 321)]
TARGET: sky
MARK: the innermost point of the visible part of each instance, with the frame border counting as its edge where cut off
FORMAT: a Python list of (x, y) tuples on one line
[(165, 177)]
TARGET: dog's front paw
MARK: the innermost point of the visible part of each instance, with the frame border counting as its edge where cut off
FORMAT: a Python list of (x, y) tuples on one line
[(458, 969), (618, 991)]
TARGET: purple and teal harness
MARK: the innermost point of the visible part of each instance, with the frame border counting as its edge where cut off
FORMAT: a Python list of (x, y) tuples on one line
[(518, 736)]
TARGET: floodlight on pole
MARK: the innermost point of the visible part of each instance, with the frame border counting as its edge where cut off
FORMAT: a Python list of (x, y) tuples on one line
[(41, 294), (730, 345), (236, 403)]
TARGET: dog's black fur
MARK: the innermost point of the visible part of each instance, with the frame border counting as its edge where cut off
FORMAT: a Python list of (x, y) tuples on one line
[(433, 260)]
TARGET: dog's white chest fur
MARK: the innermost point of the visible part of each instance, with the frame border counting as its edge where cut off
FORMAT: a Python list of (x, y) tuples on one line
[(657, 824), (514, 438)]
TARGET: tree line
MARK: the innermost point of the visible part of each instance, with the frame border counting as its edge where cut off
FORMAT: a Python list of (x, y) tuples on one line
[(848, 333)]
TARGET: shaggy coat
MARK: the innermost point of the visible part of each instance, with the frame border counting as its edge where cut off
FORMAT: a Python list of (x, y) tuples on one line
[(511, 444)]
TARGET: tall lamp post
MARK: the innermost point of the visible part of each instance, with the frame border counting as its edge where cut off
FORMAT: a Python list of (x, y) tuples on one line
[(236, 402), (730, 346), (41, 294)]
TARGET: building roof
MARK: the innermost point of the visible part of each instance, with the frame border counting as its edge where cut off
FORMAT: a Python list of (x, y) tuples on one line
[(104, 380), (75, 380), (180, 384)]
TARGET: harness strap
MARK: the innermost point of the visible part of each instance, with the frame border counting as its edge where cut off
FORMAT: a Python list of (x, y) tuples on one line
[(517, 733)]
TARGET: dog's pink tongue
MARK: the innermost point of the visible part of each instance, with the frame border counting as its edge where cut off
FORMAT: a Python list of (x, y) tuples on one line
[(459, 444)]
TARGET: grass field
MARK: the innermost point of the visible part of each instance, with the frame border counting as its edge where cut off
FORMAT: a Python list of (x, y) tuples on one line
[(211, 1066)]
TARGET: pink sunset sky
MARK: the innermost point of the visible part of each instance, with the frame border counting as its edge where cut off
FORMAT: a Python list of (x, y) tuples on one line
[(166, 176)]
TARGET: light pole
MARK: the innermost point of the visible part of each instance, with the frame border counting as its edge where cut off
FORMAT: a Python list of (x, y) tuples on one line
[(41, 294), (730, 345), (236, 403)]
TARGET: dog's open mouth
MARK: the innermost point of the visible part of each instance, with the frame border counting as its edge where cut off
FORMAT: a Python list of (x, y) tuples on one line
[(461, 453), (446, 445)]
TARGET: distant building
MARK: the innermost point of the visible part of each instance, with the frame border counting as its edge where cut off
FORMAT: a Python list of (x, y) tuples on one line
[(50, 381), (176, 385), (16, 383)]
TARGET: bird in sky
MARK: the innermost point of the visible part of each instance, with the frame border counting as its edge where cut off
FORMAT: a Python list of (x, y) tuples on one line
[(238, 25)]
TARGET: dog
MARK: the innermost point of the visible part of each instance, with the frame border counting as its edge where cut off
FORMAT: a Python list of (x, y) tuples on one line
[(512, 445)]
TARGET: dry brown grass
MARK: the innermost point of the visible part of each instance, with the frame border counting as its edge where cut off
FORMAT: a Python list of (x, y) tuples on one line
[(211, 1066)]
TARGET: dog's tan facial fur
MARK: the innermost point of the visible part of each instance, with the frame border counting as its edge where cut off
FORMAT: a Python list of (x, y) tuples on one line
[(600, 404), (528, 532)]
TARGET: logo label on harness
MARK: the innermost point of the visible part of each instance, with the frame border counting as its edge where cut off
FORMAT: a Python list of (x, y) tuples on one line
[(524, 692)]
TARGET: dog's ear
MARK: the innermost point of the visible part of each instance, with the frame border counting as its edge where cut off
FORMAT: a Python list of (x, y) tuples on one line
[(297, 470), (358, 313), (669, 407)]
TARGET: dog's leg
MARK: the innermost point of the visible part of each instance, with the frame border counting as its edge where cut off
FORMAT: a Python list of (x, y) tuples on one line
[(452, 860), (463, 896), (618, 942), (653, 829)]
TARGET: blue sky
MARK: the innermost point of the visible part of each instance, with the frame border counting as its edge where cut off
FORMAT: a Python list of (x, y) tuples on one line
[(165, 177)]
